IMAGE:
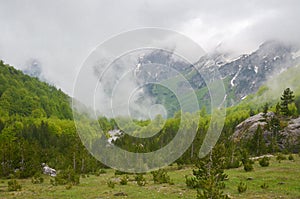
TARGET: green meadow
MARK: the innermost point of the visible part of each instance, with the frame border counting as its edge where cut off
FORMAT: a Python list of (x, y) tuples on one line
[(281, 179)]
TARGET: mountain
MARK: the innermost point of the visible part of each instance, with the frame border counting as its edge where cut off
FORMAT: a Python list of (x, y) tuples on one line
[(241, 76), (23, 95), (249, 72), (33, 68)]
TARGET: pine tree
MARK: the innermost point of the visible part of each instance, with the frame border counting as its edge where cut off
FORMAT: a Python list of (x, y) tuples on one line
[(274, 127), (265, 109), (286, 99), (210, 174), (258, 142)]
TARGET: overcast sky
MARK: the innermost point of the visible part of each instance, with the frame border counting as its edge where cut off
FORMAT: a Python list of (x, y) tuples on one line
[(62, 33)]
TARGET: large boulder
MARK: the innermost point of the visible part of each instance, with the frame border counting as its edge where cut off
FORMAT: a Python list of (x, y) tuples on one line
[(289, 136), (48, 170), (291, 133), (247, 128)]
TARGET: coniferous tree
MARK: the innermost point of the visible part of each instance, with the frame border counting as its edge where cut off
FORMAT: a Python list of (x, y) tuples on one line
[(258, 142), (210, 174), (286, 99)]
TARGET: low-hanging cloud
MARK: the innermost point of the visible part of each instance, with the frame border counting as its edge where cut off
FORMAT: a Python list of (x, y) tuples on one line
[(61, 34)]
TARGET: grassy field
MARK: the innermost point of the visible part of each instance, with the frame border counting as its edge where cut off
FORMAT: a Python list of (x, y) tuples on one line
[(283, 180)]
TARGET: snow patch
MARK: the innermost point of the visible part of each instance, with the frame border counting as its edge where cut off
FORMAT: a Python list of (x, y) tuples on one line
[(296, 54), (235, 76), (255, 69)]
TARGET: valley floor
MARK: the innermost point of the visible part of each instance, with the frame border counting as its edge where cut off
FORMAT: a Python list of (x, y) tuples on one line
[(282, 179)]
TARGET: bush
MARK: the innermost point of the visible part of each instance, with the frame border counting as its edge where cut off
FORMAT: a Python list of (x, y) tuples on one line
[(264, 162), (66, 177), (234, 164), (242, 187), (111, 184), (117, 172), (13, 185), (191, 182), (124, 180), (37, 179), (264, 186), (291, 157), (68, 186), (180, 166), (248, 166), (11, 176), (161, 176), (140, 180), (280, 157), (247, 162), (101, 171)]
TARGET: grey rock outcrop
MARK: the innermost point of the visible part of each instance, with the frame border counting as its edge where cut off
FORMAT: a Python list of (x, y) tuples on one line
[(289, 135), (247, 128)]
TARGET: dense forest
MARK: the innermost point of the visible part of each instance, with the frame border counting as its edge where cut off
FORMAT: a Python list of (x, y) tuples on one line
[(36, 126)]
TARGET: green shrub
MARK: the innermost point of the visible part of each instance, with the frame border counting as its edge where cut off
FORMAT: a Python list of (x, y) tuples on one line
[(246, 161), (11, 176), (242, 187), (264, 186), (37, 179), (124, 180), (66, 177), (140, 180), (52, 182), (68, 186), (111, 184), (248, 166), (264, 162), (234, 164), (291, 157), (117, 172), (13, 185), (101, 171), (161, 176), (171, 182), (280, 157), (191, 182)]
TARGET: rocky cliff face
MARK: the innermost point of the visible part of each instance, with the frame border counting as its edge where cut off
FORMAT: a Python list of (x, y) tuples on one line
[(249, 72), (291, 134), (288, 134), (242, 76)]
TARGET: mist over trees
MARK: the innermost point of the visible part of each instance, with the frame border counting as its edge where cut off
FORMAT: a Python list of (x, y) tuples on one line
[(36, 126)]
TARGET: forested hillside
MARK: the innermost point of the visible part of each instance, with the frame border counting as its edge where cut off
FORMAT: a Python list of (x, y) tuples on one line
[(36, 127), (25, 96)]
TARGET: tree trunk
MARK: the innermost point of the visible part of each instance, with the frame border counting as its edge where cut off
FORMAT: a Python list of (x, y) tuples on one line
[(82, 165), (74, 161)]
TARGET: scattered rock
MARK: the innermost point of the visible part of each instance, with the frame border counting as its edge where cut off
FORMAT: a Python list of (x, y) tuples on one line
[(262, 156), (48, 171)]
